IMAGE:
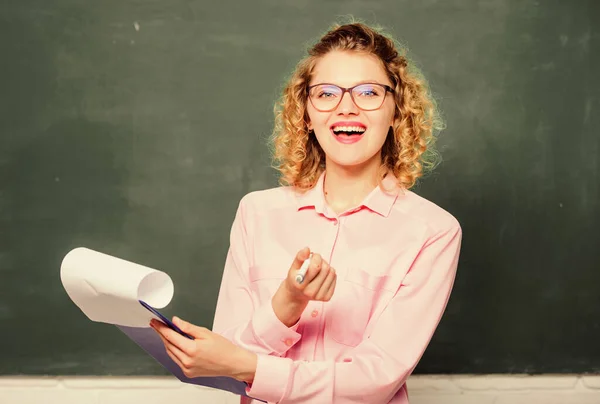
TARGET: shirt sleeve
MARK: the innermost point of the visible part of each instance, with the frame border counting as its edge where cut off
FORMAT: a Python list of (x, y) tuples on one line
[(378, 367), (238, 317)]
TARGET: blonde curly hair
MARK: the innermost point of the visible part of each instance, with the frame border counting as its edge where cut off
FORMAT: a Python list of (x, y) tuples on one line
[(408, 149)]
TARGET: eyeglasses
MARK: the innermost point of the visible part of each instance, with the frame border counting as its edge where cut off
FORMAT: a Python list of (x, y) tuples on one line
[(367, 96)]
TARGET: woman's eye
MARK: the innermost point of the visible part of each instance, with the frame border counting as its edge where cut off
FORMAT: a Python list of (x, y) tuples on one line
[(368, 93)]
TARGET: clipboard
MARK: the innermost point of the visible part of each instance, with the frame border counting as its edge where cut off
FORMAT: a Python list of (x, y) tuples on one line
[(111, 290), (149, 341)]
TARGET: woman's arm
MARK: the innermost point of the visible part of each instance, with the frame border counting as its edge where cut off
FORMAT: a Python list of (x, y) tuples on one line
[(375, 370)]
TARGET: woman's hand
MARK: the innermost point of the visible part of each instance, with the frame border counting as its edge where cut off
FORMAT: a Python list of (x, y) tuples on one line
[(319, 282), (292, 297), (209, 354)]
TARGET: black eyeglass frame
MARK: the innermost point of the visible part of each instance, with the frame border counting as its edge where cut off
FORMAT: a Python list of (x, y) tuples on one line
[(348, 90)]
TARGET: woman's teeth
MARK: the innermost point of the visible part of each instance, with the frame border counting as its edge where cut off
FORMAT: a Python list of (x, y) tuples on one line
[(347, 129)]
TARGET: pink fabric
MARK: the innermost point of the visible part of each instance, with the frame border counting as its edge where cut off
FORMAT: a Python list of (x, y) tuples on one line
[(395, 256)]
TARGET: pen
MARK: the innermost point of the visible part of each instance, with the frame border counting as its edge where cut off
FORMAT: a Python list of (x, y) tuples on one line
[(302, 271)]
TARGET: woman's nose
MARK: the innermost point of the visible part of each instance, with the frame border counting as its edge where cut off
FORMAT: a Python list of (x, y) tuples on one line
[(347, 105)]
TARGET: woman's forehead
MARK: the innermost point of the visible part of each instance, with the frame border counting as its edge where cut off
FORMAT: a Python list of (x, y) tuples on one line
[(347, 69)]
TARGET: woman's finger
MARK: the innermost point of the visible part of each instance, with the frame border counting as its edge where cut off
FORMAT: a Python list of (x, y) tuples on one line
[(322, 275), (313, 269), (326, 285), (329, 293), (175, 353), (174, 357), (315, 285), (183, 343)]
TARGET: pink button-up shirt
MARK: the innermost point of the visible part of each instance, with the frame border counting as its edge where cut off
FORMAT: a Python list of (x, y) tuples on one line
[(395, 256)]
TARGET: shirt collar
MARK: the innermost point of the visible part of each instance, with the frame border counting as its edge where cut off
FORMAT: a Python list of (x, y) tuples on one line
[(378, 200), (314, 197)]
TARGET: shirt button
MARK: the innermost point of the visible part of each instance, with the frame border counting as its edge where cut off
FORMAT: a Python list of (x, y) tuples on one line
[(289, 342), (314, 313), (335, 222)]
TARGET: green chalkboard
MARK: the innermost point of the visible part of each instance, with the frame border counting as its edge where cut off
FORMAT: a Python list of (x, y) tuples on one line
[(135, 127)]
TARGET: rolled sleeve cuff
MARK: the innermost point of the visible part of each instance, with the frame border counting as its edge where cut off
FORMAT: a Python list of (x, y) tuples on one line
[(273, 333), (271, 378)]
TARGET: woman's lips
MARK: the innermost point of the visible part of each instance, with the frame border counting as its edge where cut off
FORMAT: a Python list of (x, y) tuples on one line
[(345, 139)]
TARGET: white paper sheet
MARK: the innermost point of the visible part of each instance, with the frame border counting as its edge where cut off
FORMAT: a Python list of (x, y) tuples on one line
[(108, 289)]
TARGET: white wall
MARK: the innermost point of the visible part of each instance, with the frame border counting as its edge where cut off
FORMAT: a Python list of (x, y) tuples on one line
[(491, 389)]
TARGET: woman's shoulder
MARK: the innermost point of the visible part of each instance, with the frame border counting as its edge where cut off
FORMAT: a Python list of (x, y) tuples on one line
[(268, 199), (426, 211)]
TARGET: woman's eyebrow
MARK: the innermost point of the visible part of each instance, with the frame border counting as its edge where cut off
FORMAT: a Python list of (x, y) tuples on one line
[(370, 82)]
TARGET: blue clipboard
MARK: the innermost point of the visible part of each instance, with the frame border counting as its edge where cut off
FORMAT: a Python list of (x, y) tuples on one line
[(147, 339), (165, 320)]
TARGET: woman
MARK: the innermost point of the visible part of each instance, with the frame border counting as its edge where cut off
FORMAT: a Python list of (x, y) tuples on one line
[(352, 133)]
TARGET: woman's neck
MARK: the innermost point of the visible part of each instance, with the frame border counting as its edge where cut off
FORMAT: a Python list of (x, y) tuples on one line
[(346, 187)]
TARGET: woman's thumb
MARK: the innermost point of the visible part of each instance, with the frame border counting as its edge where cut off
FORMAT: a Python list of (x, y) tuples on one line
[(301, 256), (183, 325)]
